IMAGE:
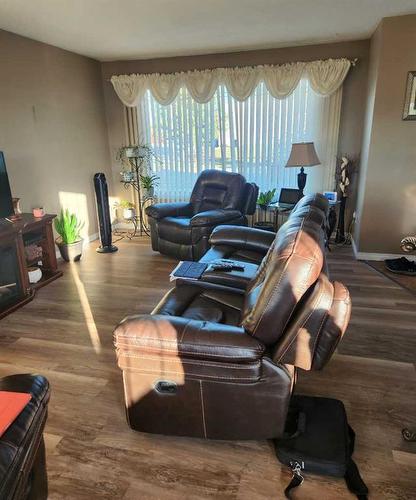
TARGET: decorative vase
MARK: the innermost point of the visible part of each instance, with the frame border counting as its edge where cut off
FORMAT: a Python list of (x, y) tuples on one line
[(70, 252), (16, 206), (35, 274)]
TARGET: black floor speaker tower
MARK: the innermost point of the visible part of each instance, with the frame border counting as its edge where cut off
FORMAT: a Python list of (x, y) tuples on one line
[(103, 209)]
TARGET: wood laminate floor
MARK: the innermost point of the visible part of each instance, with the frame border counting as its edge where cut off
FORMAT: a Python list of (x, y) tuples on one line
[(66, 334)]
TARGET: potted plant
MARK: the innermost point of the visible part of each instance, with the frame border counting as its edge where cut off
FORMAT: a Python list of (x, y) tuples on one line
[(135, 157), (149, 182), (127, 175), (129, 211), (69, 242), (143, 152), (264, 201)]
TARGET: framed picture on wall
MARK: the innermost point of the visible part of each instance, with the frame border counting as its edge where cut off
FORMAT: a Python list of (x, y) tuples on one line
[(409, 112)]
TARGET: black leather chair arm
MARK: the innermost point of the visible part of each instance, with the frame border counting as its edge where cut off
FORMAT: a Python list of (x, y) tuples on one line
[(243, 237), (22, 452), (213, 217), (161, 210), (186, 338)]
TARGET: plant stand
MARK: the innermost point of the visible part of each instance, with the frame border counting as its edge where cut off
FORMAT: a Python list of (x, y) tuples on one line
[(139, 225)]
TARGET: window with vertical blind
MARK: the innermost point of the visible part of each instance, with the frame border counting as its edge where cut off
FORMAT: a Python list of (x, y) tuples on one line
[(252, 137)]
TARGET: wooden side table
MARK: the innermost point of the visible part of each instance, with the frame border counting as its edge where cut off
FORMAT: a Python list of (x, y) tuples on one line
[(14, 278)]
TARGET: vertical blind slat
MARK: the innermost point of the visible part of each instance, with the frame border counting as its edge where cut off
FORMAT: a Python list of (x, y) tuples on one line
[(253, 137)]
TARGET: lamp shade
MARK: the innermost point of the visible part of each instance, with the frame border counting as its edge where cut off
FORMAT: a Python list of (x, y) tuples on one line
[(303, 154)]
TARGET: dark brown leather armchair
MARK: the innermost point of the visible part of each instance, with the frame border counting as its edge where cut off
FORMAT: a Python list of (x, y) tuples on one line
[(182, 230), (22, 448), (219, 364)]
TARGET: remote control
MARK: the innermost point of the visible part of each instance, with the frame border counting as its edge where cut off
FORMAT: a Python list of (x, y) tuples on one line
[(227, 267)]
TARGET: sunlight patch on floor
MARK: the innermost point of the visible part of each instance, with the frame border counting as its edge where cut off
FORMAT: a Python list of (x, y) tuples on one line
[(86, 309)]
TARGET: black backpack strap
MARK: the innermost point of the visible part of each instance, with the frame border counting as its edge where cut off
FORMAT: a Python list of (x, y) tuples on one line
[(352, 476), (355, 482), (297, 478)]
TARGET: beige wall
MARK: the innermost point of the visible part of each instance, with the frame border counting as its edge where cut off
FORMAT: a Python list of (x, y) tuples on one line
[(353, 94), (52, 126), (386, 209)]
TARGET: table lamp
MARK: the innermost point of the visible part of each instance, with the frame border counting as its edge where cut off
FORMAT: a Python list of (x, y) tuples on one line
[(303, 154)]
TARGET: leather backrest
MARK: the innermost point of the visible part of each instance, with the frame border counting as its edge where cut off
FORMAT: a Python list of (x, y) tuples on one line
[(310, 211), (251, 193), (317, 200), (316, 327), (292, 264), (306, 213), (215, 189)]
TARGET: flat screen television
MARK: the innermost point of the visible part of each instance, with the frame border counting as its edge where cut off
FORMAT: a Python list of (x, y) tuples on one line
[(6, 202)]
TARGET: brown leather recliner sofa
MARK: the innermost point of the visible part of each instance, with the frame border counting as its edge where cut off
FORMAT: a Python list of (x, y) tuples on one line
[(221, 364), (182, 230), (247, 244)]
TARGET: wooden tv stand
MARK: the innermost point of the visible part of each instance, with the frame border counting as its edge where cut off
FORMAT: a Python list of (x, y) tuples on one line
[(15, 289)]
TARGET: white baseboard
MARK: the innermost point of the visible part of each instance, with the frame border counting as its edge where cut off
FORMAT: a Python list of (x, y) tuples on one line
[(378, 256), (91, 237), (354, 247)]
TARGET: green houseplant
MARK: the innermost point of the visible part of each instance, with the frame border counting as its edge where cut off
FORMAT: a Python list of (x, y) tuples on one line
[(264, 201), (129, 210), (149, 182), (69, 242), (133, 155), (136, 159)]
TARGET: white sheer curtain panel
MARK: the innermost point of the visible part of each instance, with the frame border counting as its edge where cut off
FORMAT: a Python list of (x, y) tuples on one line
[(252, 137)]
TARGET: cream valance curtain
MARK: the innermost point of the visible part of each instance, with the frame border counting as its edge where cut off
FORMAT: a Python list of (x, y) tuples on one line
[(325, 78)]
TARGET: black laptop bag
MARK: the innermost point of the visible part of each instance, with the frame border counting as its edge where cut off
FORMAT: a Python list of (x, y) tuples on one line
[(319, 440)]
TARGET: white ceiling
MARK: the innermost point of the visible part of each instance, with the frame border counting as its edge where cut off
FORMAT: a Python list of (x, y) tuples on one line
[(141, 29)]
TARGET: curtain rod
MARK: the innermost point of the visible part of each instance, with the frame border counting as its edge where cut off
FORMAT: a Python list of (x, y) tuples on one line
[(352, 61)]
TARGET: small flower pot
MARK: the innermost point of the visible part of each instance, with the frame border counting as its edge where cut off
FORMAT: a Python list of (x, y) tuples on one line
[(127, 176), (129, 213), (148, 193), (71, 252), (38, 212), (35, 274), (130, 152), (142, 152)]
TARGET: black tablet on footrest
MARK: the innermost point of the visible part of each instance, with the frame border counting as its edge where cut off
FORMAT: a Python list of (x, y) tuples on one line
[(188, 270)]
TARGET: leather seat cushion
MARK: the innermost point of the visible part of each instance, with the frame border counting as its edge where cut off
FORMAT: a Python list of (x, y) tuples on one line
[(193, 302), (176, 230), (204, 309), (247, 256)]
